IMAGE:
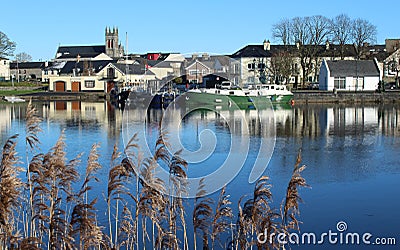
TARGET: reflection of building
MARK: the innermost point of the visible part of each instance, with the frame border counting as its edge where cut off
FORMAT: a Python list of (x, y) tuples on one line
[(86, 115), (5, 120), (351, 120)]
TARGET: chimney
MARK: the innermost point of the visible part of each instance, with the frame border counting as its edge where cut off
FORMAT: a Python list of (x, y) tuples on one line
[(267, 45), (205, 56), (327, 45), (194, 56), (298, 44)]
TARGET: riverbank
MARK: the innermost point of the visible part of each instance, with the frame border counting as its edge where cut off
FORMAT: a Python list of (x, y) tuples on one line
[(299, 96), (316, 96), (64, 96)]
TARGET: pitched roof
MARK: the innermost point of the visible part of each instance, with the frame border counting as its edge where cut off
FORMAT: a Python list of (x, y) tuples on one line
[(375, 51), (132, 69), (82, 51), (345, 68), (252, 51), (28, 65), (258, 50), (70, 66)]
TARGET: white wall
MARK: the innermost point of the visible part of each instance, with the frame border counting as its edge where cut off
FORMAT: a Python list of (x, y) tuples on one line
[(5, 69), (99, 85)]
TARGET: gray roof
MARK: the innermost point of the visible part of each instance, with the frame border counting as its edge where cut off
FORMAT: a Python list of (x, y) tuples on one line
[(27, 65), (133, 69), (70, 66), (321, 50), (353, 68), (88, 51)]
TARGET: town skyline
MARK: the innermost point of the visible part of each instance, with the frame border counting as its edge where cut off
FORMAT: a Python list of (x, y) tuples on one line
[(216, 27)]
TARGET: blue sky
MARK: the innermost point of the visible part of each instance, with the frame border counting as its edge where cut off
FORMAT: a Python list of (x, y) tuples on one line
[(39, 27)]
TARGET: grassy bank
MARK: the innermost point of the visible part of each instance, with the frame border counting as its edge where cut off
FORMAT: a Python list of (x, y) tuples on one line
[(17, 92)]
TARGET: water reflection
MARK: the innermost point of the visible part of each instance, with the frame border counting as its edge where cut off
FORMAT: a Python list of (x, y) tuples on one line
[(351, 151), (68, 114), (300, 121)]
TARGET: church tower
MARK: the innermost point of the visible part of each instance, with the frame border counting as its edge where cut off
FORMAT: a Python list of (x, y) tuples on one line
[(113, 48)]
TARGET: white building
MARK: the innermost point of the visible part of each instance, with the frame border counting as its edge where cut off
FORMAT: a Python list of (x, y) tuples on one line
[(4, 69), (349, 75)]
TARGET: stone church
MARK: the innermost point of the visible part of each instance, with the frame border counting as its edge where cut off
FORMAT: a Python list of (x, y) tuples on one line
[(112, 49)]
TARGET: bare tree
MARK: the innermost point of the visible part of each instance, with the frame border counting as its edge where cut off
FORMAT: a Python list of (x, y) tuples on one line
[(309, 32), (319, 28), (281, 66), (341, 28), (282, 31), (363, 31), (7, 46), (23, 57)]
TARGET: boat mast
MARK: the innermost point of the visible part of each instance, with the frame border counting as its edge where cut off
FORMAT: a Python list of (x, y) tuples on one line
[(126, 59)]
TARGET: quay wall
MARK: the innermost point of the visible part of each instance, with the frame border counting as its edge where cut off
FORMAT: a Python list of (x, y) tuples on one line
[(346, 97)]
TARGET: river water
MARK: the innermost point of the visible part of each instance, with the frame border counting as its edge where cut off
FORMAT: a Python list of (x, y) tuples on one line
[(351, 154)]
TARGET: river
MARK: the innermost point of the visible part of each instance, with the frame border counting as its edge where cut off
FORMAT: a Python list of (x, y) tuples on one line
[(351, 153)]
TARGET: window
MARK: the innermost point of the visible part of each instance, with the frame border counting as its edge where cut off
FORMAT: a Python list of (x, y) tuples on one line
[(251, 66), (110, 73), (193, 72), (250, 79), (358, 82), (236, 68), (261, 66), (340, 82), (89, 84)]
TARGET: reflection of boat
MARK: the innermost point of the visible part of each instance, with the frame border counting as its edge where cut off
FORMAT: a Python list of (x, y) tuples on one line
[(158, 100), (13, 99), (274, 92)]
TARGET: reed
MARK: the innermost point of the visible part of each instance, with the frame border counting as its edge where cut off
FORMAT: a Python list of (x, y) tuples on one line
[(202, 215), (143, 211), (10, 191), (32, 129), (222, 218), (83, 224), (52, 178), (291, 203)]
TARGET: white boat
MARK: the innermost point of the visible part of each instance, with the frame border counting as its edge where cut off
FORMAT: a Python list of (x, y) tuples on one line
[(274, 92), (13, 99)]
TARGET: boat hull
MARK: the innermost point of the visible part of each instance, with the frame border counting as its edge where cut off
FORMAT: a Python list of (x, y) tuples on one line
[(225, 100)]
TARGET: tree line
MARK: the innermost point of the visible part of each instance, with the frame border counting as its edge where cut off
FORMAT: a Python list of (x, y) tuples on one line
[(311, 31), (7, 48)]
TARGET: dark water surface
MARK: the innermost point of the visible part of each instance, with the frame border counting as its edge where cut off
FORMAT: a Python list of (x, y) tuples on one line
[(351, 153)]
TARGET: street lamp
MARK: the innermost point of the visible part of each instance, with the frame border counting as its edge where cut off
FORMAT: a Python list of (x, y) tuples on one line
[(254, 69)]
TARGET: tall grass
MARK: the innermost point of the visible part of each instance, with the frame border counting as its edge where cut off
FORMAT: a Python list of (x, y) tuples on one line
[(143, 211)]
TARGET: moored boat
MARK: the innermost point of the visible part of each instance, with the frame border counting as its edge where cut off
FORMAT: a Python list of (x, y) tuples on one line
[(274, 92), (13, 99), (224, 97)]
